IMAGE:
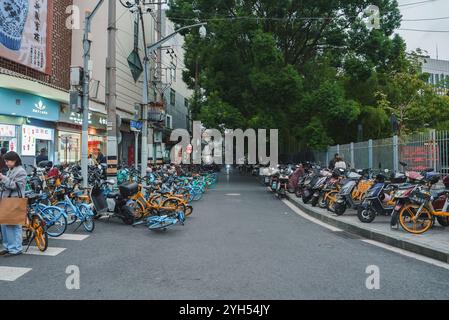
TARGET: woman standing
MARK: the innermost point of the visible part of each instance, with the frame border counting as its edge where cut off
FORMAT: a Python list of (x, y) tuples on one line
[(13, 185)]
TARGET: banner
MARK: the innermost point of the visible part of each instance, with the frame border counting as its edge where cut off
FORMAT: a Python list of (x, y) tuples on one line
[(24, 26)]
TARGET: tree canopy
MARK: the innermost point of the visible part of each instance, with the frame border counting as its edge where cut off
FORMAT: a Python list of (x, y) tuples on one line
[(311, 68)]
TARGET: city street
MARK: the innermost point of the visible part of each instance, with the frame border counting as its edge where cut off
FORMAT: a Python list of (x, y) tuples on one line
[(240, 243)]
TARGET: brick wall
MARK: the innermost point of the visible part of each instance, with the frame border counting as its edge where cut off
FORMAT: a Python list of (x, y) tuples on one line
[(61, 51)]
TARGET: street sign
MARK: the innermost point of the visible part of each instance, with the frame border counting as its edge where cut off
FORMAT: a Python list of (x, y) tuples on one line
[(136, 125)]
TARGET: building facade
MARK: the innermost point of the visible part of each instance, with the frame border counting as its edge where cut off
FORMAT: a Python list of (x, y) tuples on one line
[(176, 94), (439, 74), (35, 80)]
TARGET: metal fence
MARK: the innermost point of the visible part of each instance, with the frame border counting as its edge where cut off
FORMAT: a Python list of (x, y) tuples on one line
[(420, 151)]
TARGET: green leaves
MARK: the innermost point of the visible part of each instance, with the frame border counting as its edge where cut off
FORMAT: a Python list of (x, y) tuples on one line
[(310, 68)]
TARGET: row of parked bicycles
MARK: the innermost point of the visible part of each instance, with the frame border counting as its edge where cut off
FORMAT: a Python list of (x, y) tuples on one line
[(162, 198), (413, 199)]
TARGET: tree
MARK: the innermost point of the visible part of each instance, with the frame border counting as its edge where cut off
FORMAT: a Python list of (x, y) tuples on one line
[(304, 67)]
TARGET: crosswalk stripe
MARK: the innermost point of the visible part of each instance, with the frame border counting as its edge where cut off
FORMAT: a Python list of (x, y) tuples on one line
[(12, 273), (51, 251), (73, 237)]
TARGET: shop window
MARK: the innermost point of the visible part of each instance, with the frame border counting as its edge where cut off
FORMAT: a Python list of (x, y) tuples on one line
[(69, 150)]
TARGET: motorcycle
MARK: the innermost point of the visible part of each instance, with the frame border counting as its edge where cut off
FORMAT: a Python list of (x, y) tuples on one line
[(309, 183), (352, 193), (282, 182), (114, 204), (319, 186)]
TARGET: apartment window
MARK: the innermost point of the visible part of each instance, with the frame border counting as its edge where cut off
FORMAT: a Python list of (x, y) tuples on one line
[(431, 78), (437, 79), (172, 97), (169, 121), (186, 103)]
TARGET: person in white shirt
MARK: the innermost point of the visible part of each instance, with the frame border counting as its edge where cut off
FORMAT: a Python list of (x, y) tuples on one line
[(339, 163)]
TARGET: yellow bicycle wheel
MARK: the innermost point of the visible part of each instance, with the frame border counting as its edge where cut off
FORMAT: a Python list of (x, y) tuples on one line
[(38, 230), (416, 225)]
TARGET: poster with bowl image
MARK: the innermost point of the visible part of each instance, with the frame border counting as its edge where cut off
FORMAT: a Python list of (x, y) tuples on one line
[(24, 29)]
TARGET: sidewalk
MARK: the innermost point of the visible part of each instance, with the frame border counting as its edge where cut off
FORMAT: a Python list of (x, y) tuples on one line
[(433, 244)]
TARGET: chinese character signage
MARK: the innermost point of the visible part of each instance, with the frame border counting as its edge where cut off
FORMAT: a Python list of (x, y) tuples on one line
[(24, 26), (29, 136)]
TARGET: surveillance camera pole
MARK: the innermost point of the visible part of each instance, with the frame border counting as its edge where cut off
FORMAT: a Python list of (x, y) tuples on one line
[(86, 78)]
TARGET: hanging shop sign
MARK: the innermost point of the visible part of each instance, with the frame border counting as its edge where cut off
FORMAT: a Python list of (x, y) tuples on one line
[(96, 120), (25, 32), (23, 104)]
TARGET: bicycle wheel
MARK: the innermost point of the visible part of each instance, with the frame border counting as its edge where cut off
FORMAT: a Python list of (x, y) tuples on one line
[(56, 222), (418, 225), (71, 215), (87, 217), (138, 209), (38, 232), (173, 205)]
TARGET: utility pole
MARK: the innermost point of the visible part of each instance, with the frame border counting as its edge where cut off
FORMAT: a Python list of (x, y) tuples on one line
[(86, 78), (145, 99), (159, 100), (111, 94)]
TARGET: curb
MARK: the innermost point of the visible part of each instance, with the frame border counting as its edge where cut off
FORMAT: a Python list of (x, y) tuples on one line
[(374, 235)]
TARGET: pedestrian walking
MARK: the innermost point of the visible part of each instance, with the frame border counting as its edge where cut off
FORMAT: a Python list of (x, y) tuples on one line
[(13, 186)]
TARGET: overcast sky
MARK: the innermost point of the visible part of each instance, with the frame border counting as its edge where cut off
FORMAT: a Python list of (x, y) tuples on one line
[(426, 40)]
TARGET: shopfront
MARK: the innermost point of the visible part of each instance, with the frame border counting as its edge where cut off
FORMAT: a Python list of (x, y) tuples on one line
[(27, 124), (8, 137), (69, 135)]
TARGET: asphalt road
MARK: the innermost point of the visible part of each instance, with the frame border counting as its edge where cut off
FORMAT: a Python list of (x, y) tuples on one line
[(240, 243)]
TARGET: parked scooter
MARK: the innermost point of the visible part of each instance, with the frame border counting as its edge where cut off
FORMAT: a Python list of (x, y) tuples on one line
[(114, 204), (319, 186), (351, 193), (282, 182)]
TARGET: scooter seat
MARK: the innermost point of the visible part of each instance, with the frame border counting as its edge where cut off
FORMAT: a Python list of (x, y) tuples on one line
[(113, 195)]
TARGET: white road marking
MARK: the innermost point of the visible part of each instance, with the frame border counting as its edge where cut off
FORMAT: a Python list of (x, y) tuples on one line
[(51, 251), (233, 194), (408, 254), (12, 273), (306, 216), (73, 237)]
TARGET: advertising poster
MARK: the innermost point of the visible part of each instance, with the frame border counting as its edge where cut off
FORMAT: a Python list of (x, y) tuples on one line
[(24, 26), (29, 136)]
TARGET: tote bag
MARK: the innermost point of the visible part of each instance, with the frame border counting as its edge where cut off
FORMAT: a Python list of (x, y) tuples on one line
[(13, 211)]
